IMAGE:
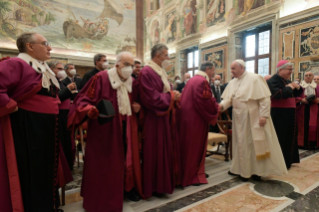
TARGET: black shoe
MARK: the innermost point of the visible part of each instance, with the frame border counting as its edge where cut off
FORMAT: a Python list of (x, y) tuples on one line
[(196, 184), (207, 175), (134, 197), (244, 179), (256, 177), (230, 173), (158, 195)]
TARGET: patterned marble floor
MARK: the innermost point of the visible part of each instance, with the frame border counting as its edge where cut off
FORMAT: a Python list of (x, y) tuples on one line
[(293, 192)]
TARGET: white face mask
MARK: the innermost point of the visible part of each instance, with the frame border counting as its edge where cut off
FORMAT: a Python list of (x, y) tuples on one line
[(61, 75), (178, 81), (73, 72), (217, 82), (105, 65), (165, 64), (127, 72), (297, 82)]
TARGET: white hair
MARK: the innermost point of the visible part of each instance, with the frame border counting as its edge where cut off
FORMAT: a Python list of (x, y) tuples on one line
[(241, 62), (120, 55), (284, 66)]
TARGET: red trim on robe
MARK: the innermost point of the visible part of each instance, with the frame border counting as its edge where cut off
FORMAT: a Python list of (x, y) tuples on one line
[(283, 103)]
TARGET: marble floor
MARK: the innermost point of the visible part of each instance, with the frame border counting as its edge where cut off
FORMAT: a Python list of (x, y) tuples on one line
[(296, 191)]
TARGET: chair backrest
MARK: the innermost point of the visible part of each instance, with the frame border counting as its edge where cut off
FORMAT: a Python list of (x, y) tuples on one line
[(224, 125)]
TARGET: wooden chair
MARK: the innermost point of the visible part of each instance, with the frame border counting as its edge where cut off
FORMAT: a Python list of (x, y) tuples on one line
[(224, 136), (81, 134)]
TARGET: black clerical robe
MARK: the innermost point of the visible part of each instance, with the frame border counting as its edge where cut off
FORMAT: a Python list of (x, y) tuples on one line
[(283, 114)]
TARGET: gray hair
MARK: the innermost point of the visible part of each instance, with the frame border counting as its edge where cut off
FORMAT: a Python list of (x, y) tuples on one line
[(23, 39), (241, 63), (205, 65), (157, 49), (53, 63), (66, 67), (98, 57), (120, 55), (284, 66)]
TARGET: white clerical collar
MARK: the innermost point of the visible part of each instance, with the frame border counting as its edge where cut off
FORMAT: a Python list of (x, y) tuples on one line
[(244, 74)]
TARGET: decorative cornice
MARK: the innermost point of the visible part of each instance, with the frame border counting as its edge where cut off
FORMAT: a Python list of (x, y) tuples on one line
[(213, 42), (188, 42), (299, 15)]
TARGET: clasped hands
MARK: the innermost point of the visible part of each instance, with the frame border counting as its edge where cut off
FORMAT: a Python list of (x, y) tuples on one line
[(177, 95), (293, 85)]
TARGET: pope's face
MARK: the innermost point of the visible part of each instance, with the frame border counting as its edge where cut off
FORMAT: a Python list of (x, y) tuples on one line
[(236, 69)]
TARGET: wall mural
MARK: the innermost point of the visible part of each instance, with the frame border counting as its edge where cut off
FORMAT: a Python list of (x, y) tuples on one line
[(107, 26), (244, 6), (170, 28), (170, 71), (189, 17), (215, 12), (288, 45), (155, 33), (309, 41), (217, 58)]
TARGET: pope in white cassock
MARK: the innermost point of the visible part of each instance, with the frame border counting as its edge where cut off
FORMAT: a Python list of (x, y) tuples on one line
[(256, 150)]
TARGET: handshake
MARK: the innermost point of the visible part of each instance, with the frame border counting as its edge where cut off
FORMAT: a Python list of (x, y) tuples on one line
[(177, 95)]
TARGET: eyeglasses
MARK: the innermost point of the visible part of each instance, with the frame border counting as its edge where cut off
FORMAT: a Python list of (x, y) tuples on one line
[(61, 69), (308, 75), (44, 43)]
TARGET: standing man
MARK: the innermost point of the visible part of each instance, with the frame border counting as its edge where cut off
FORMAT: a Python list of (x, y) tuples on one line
[(283, 110), (71, 78), (198, 109), (256, 150), (101, 64), (307, 114), (217, 88), (159, 154), (65, 95), (103, 185), (181, 86), (28, 129), (316, 79), (137, 69)]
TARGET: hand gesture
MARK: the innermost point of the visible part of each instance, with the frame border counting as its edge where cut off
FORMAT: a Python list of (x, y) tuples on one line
[(221, 107), (15, 109), (93, 113), (71, 86), (262, 121), (136, 107), (295, 85), (177, 95), (290, 85), (304, 101)]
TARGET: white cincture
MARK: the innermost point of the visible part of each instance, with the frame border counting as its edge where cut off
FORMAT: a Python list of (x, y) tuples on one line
[(47, 73), (123, 88)]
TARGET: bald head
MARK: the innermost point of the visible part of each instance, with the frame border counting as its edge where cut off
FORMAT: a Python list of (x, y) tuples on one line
[(309, 77), (187, 76), (316, 79), (267, 77), (217, 77)]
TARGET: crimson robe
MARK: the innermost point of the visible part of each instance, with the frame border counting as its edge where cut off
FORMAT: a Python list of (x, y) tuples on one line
[(104, 167), (31, 165), (198, 109), (308, 120), (159, 154)]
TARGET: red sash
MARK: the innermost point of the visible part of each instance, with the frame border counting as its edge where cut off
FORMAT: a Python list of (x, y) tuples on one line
[(283, 103)]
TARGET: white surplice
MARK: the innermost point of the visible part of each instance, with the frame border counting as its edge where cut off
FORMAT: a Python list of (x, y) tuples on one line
[(250, 97)]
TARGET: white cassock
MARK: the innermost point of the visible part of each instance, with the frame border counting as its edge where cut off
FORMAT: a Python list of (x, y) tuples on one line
[(255, 149)]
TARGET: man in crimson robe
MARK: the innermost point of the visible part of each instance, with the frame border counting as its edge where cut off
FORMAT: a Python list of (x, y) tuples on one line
[(283, 110), (29, 144), (159, 147), (104, 172), (307, 114), (198, 109)]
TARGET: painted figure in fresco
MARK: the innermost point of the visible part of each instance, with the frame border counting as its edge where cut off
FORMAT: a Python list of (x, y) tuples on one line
[(86, 23), (189, 15), (247, 6), (213, 12), (155, 33), (169, 33)]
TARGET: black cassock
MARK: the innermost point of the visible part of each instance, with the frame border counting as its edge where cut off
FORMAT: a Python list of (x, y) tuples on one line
[(35, 137), (283, 114)]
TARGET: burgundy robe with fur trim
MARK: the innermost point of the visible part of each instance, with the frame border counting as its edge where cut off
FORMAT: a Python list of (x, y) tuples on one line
[(104, 166), (308, 122), (198, 109), (159, 151)]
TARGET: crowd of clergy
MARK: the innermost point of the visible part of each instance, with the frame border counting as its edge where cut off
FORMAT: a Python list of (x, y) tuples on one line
[(145, 136)]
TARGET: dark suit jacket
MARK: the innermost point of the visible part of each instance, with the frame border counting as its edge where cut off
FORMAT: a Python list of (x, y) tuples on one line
[(64, 92), (88, 76), (214, 91), (180, 87), (77, 81)]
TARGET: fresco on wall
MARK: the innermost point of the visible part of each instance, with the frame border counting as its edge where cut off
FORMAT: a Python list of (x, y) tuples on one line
[(170, 28), (215, 12), (244, 6), (190, 17), (170, 71), (217, 58), (309, 41), (94, 26), (155, 33)]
